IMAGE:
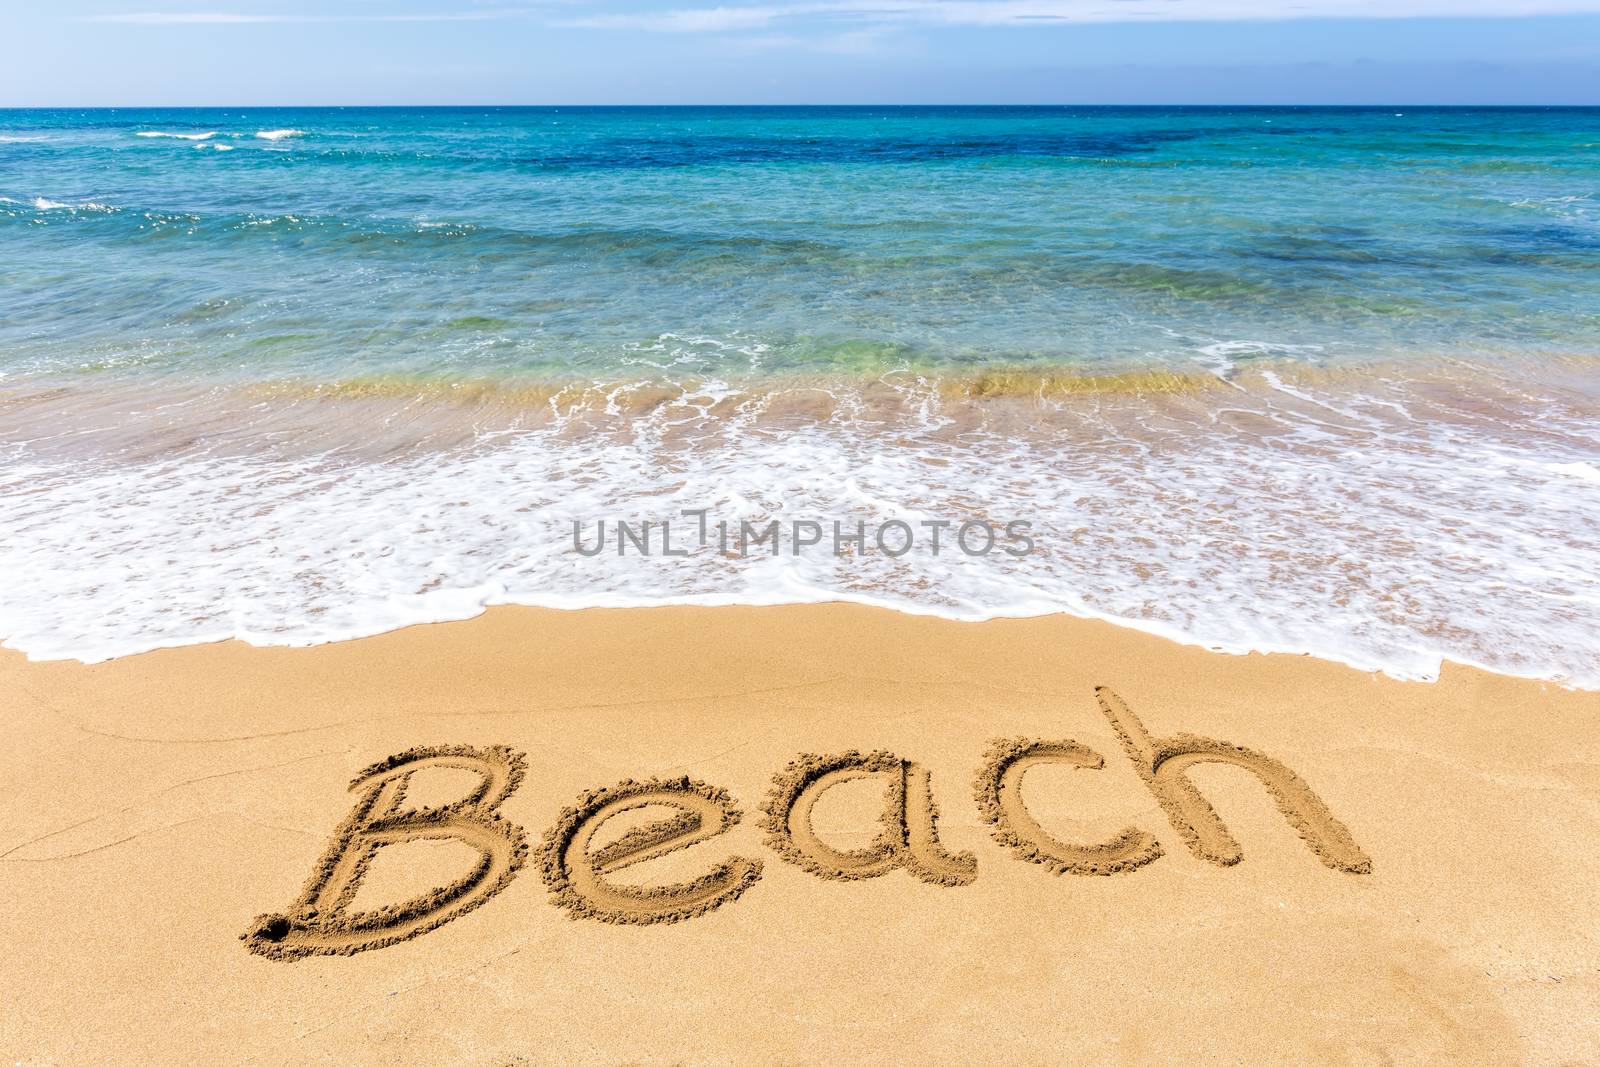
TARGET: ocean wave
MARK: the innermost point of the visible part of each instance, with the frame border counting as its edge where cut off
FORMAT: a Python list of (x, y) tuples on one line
[(1575, 209), (178, 136), (214, 147), (6, 138), (42, 203), (279, 135), (1389, 525)]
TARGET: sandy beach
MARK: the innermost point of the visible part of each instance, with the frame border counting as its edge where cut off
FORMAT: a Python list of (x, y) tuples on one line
[(756, 894)]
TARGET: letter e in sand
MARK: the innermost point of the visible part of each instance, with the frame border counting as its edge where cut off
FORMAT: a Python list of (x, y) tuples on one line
[(575, 868)]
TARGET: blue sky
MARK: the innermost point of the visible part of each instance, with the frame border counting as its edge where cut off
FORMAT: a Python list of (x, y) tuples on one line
[(238, 52)]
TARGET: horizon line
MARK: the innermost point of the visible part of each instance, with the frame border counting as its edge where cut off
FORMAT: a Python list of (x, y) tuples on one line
[(861, 104)]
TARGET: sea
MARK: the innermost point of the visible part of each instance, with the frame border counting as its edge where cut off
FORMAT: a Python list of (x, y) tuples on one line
[(1309, 380)]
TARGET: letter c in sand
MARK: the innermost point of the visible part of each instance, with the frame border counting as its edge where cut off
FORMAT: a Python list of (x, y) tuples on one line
[(999, 795)]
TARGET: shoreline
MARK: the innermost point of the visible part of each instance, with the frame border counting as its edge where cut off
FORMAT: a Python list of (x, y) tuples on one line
[(1390, 526), (164, 805), (713, 602)]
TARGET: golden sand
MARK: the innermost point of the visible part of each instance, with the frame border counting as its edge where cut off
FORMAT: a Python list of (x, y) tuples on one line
[(819, 834)]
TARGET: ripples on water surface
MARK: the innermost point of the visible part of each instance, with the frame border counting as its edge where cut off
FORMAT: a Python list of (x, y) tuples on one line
[(1319, 380)]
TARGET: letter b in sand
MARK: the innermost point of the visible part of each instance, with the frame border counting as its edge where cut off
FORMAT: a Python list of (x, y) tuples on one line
[(320, 922), (1164, 763), (908, 836)]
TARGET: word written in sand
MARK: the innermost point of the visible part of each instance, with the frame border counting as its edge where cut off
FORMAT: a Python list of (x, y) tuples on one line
[(579, 872)]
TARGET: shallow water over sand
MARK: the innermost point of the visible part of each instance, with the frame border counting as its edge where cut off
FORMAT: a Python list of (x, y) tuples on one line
[(1382, 517), (1305, 379)]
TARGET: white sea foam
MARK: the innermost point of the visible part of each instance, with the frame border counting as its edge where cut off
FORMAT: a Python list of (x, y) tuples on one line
[(214, 147), (41, 203), (1383, 531), (279, 135), (1587, 472), (1222, 358), (6, 138), (1574, 208), (206, 136)]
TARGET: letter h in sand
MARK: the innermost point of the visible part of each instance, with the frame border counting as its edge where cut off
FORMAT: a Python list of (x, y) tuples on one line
[(1164, 763)]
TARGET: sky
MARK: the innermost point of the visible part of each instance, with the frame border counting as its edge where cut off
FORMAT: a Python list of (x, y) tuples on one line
[(74, 53)]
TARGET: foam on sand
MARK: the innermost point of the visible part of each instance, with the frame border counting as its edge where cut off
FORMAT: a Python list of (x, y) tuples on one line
[(1391, 525)]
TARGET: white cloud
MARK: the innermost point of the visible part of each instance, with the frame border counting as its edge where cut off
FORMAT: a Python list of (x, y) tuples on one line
[(695, 20), (744, 17), (228, 18), (774, 18), (850, 43)]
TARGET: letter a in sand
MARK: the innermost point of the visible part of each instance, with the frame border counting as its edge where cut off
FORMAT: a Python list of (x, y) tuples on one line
[(909, 835)]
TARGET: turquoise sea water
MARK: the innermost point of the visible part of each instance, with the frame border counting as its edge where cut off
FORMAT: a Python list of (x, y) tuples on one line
[(1309, 379), (547, 241)]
